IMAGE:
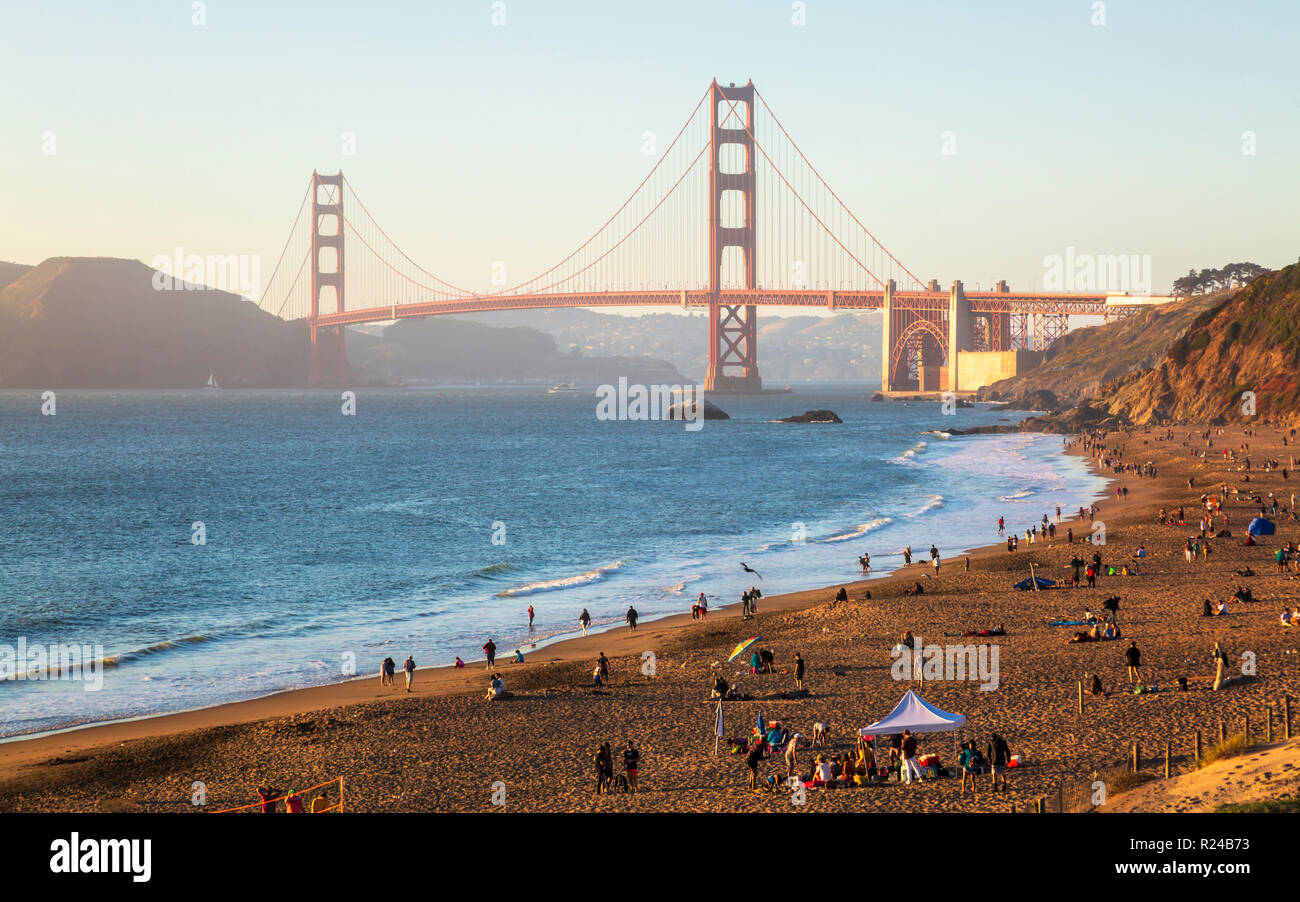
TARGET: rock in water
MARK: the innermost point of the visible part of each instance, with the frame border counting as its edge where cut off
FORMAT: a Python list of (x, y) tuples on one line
[(685, 410), (813, 416)]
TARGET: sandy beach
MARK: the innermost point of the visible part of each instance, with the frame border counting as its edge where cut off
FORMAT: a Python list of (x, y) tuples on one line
[(443, 747)]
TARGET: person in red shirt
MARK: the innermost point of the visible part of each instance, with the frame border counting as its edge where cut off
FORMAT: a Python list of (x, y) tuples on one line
[(292, 804), (267, 795)]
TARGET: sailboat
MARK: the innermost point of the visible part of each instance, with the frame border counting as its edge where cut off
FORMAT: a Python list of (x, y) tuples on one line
[(212, 381)]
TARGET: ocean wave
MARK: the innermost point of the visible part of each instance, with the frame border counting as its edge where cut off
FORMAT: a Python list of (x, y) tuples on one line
[(681, 586), (910, 454), (938, 433), (936, 501), (56, 669), (564, 582), (861, 530), (491, 570), (1016, 497)]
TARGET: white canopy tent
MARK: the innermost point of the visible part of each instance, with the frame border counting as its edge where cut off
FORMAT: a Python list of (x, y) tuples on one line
[(916, 714)]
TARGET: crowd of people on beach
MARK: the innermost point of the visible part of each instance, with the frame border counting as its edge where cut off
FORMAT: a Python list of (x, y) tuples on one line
[(864, 765)]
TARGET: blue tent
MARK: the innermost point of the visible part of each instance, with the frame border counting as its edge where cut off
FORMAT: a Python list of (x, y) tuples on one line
[(1261, 527), (1028, 583)]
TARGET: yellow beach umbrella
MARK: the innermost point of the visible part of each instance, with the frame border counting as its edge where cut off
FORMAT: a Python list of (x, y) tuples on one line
[(742, 646)]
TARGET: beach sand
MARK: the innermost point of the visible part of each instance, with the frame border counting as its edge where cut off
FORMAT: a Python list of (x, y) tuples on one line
[(444, 748)]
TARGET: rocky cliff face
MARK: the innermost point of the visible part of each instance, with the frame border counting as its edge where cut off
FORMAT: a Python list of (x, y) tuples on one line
[(1082, 361), (1247, 341)]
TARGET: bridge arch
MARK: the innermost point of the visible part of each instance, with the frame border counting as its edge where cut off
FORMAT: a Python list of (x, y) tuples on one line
[(920, 335)]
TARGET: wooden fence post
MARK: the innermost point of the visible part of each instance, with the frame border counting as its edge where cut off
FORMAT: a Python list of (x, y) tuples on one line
[(1166, 760), (1269, 722), (1137, 757), (1286, 714), (1223, 732), (1080, 696), (1245, 727), (1198, 748)]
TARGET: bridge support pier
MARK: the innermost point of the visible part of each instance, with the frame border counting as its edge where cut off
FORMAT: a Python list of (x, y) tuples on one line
[(733, 348), (960, 326), (733, 329), (332, 209)]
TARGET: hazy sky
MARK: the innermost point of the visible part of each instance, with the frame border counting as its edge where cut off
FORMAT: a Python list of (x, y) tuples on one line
[(478, 142)]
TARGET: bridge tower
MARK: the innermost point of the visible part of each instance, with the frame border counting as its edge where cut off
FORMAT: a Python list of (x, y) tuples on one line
[(331, 208), (733, 329)]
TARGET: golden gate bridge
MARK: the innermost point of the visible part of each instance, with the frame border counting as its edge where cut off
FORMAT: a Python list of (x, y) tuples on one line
[(732, 217)]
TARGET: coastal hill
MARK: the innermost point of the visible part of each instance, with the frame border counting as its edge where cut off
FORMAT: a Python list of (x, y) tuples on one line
[(98, 322), (1083, 360), (1248, 340), (11, 271), (441, 349)]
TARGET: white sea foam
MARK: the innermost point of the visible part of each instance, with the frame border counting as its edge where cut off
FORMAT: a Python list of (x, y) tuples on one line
[(910, 454), (861, 530), (564, 582), (936, 501)]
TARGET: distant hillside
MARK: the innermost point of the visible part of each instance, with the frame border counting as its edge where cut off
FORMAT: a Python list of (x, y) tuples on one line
[(442, 349), (1081, 361), (790, 348), (11, 271), (1248, 341), (97, 322)]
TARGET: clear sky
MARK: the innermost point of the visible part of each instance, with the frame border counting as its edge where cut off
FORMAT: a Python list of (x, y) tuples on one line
[(478, 142)]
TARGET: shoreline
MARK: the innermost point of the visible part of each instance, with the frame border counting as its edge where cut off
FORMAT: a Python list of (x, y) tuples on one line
[(445, 749), (21, 750)]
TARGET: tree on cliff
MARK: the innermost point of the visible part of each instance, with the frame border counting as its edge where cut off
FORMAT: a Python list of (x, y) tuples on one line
[(1208, 281)]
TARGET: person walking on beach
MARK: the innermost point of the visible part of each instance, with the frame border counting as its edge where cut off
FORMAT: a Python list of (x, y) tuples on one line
[(387, 670), (751, 761), (631, 617), (530, 618), (1002, 526), (584, 621), (490, 649), (631, 762), (409, 666), (1220, 664), (798, 671), (604, 769), (754, 596), (1133, 658), (909, 758), (603, 664), (999, 755)]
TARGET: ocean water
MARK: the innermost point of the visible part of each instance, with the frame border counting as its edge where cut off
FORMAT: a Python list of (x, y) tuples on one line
[(431, 520)]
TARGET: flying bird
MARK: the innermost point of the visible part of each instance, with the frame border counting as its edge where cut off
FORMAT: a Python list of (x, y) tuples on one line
[(749, 569)]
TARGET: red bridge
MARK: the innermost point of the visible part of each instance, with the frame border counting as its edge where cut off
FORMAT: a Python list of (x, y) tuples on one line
[(692, 234)]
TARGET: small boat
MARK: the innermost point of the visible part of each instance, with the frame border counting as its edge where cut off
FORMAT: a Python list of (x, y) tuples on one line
[(564, 388), (212, 381)]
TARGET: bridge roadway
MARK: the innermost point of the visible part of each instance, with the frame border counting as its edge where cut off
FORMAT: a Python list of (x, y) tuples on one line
[(981, 302)]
